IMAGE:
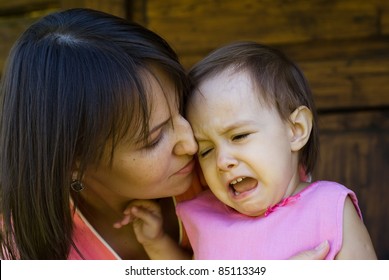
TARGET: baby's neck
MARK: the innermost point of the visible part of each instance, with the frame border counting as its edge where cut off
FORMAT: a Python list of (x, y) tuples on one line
[(300, 187)]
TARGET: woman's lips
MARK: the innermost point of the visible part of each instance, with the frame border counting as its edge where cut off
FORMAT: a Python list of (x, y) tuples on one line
[(188, 168)]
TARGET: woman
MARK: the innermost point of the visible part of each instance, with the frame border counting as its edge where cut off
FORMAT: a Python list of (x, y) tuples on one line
[(91, 111)]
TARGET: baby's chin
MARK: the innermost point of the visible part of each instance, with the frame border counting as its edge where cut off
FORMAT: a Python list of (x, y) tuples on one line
[(254, 212)]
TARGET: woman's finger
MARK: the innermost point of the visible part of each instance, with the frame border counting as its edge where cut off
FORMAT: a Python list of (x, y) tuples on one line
[(318, 253)]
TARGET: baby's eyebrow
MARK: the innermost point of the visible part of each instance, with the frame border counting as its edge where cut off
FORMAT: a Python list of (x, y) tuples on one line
[(238, 124), (225, 129)]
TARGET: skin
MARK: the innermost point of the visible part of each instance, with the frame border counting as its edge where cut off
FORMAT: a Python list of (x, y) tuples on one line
[(255, 145), (147, 220), (157, 169), (242, 139), (147, 223), (357, 243)]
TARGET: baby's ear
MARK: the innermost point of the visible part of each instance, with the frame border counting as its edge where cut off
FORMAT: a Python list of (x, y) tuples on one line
[(301, 126)]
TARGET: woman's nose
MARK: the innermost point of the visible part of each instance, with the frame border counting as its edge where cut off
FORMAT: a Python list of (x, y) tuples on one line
[(225, 161), (186, 144)]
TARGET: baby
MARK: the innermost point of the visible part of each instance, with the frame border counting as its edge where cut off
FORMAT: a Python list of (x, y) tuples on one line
[(254, 120)]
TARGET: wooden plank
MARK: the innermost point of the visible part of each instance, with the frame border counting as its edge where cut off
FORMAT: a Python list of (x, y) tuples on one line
[(384, 17), (342, 74), (198, 25), (17, 15), (12, 27), (359, 121), (345, 73), (354, 151), (322, 50), (137, 11), (337, 85), (347, 83), (342, 48), (15, 6), (115, 7)]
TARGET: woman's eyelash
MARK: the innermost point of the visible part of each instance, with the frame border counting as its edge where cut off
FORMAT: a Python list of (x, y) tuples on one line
[(154, 143)]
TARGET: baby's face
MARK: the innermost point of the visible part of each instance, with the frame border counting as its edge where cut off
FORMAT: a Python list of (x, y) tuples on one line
[(244, 146)]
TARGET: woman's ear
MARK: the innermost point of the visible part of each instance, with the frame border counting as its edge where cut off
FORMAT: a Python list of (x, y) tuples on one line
[(301, 126)]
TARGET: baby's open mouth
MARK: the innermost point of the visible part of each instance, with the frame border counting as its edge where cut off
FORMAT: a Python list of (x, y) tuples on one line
[(243, 184)]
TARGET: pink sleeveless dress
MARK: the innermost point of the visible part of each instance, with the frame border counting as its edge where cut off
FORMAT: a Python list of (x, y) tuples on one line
[(297, 223)]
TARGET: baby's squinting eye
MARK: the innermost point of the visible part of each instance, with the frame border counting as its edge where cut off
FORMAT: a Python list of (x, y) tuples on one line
[(240, 136), (205, 152)]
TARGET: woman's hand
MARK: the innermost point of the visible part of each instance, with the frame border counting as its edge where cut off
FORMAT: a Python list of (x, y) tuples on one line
[(318, 253)]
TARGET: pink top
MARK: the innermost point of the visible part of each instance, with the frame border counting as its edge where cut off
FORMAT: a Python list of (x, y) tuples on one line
[(297, 223)]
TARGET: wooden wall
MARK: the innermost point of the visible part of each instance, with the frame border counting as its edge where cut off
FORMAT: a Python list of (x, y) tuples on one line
[(342, 46), (17, 15)]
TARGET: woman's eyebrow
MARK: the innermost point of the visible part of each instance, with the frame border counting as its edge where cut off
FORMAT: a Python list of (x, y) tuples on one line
[(155, 128), (158, 126)]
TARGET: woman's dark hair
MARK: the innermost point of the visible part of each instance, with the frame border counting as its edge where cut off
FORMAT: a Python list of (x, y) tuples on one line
[(74, 84), (280, 82)]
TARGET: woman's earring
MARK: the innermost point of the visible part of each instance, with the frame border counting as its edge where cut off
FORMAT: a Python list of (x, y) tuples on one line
[(76, 185)]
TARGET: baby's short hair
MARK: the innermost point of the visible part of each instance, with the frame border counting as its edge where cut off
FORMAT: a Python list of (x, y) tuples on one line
[(281, 83)]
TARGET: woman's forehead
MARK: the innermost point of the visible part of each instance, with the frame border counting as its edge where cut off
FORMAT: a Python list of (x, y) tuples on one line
[(161, 90)]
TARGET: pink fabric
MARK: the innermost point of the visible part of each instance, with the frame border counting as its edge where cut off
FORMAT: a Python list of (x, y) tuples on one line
[(89, 243), (301, 223)]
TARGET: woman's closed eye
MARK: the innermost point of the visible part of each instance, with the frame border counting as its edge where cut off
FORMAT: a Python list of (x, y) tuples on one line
[(157, 134), (155, 139), (153, 143)]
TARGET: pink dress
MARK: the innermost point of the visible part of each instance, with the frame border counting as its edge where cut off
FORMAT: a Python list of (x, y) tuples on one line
[(297, 223)]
